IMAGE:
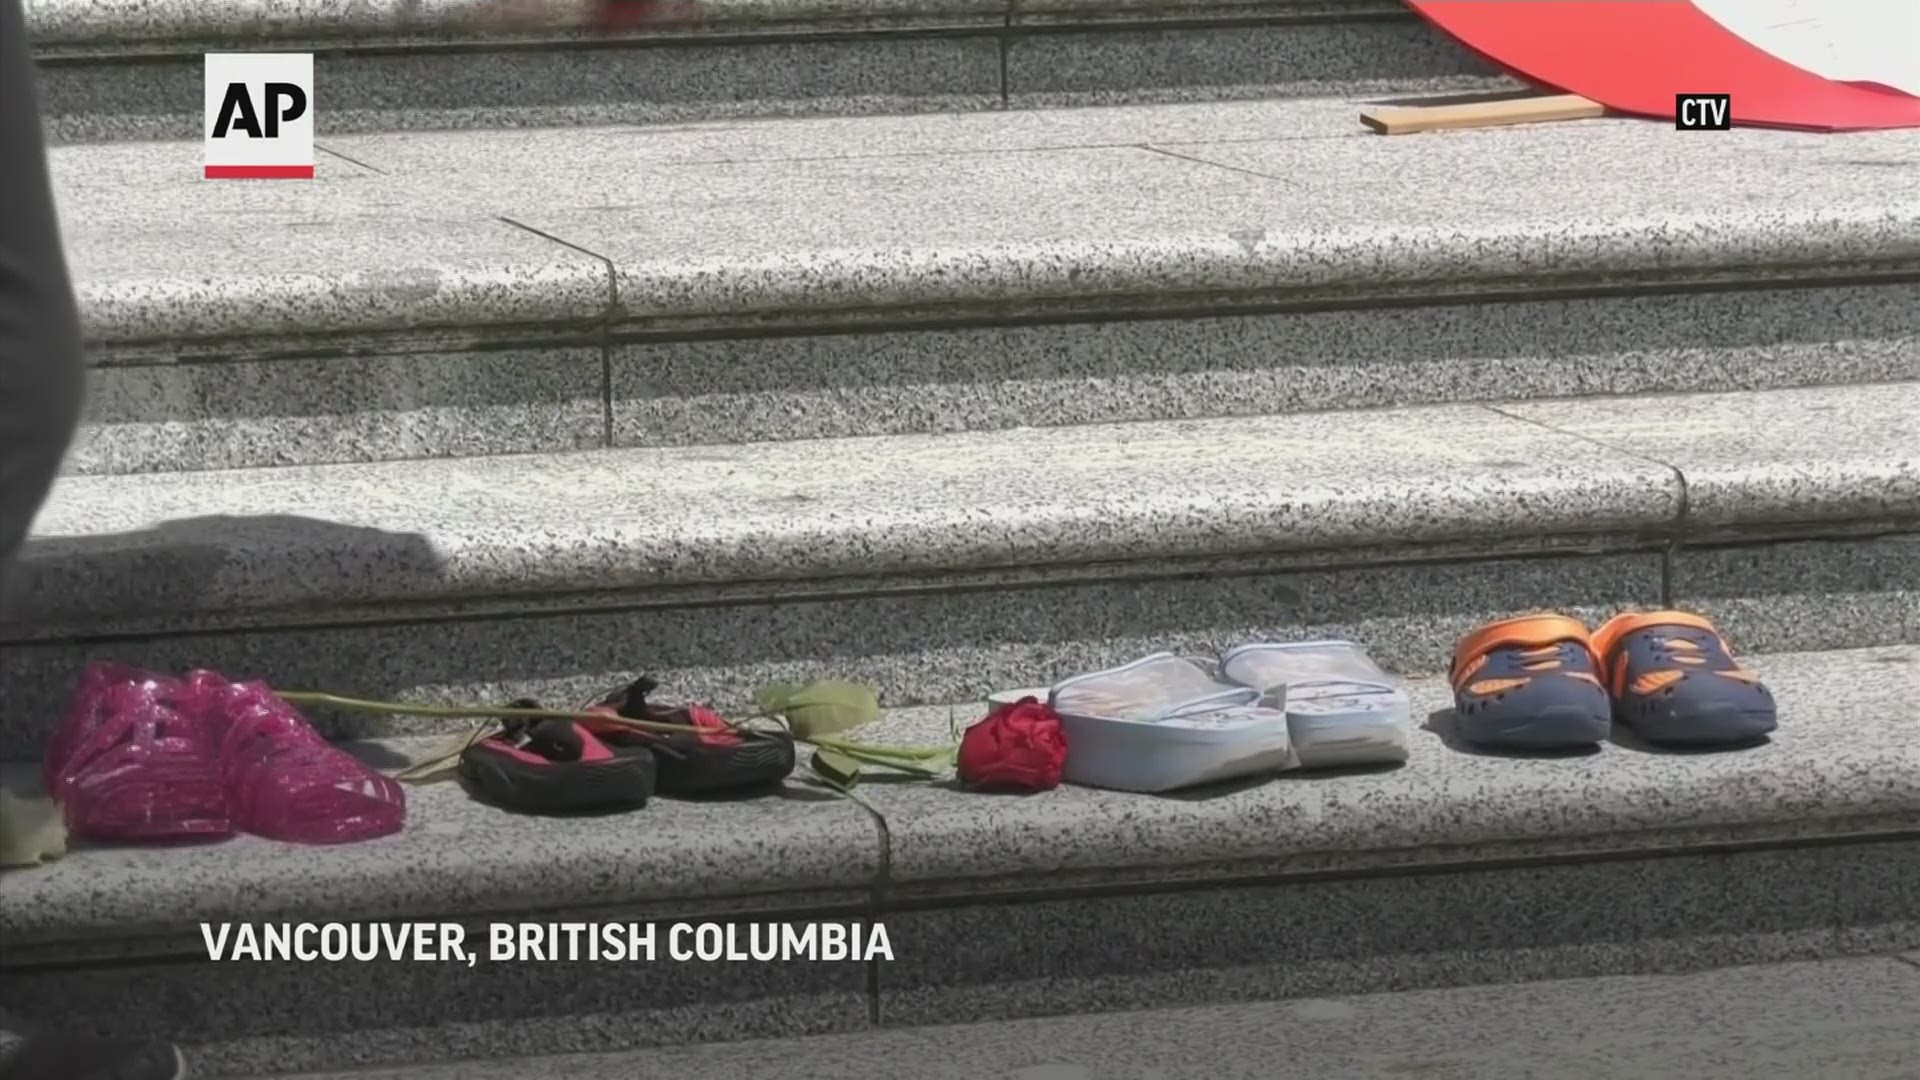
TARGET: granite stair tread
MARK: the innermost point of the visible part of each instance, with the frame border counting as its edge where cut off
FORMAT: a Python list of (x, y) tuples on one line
[(64, 26), (604, 521), (1842, 764), (1840, 761), (764, 224), (130, 69), (1849, 1017), (110, 551)]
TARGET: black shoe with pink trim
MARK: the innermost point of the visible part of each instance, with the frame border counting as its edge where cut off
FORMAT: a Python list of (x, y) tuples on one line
[(557, 767), (708, 756)]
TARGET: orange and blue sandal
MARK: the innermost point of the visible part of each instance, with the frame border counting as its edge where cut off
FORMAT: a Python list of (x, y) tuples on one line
[(1531, 683), (1675, 682)]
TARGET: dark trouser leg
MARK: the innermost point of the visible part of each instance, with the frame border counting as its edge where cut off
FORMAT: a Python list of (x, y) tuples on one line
[(41, 370), (41, 379)]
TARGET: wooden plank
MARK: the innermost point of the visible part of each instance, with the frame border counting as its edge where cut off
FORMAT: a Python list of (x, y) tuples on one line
[(1407, 119)]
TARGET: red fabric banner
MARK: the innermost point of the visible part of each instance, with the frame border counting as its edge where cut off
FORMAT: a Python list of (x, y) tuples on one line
[(1634, 56)]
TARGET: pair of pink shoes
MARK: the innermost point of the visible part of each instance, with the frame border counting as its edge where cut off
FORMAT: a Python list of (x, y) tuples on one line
[(142, 756)]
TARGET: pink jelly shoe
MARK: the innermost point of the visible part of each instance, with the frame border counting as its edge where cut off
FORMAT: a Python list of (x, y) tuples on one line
[(284, 782), (85, 713), (137, 758)]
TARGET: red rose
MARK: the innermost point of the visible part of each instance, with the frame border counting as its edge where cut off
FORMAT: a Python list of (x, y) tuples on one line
[(1019, 746)]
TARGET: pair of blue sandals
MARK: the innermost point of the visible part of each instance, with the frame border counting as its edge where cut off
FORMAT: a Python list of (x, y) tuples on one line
[(1547, 682)]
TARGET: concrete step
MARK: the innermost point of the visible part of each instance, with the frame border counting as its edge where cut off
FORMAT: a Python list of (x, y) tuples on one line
[(1851, 1018), (450, 295), (123, 69), (942, 567), (1455, 869)]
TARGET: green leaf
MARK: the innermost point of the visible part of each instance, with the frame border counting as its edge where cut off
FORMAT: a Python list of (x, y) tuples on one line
[(773, 697), (880, 759), (836, 768), (895, 753), (828, 708)]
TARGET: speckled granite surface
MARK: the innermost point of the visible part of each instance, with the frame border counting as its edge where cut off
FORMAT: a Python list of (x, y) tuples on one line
[(334, 1016), (1198, 62), (418, 87), (427, 397), (669, 393), (603, 521), (1842, 753), (421, 399), (1177, 220), (127, 22), (397, 65), (160, 254), (1813, 595), (1183, 220), (122, 23), (681, 149), (1841, 760), (458, 858), (197, 543), (1828, 453), (1314, 938), (957, 644), (477, 335), (1037, 957), (1835, 1018), (1054, 12)]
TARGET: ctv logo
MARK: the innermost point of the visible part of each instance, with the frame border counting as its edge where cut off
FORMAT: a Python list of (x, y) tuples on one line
[(259, 116), (1703, 112)]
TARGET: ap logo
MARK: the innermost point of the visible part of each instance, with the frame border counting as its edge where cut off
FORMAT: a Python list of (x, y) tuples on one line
[(259, 116)]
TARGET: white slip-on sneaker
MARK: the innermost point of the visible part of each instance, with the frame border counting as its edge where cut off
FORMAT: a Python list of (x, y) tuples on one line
[(1341, 708), (1162, 723)]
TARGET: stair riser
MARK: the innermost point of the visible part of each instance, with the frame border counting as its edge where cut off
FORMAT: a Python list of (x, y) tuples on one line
[(380, 400), (1101, 953), (957, 646), (1002, 377), (1401, 932), (365, 89), (278, 404), (253, 1018)]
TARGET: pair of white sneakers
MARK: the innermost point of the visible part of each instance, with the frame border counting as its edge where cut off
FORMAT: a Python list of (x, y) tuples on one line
[(1165, 722)]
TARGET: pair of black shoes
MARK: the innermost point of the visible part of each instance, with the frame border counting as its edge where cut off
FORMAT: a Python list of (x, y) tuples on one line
[(577, 766)]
